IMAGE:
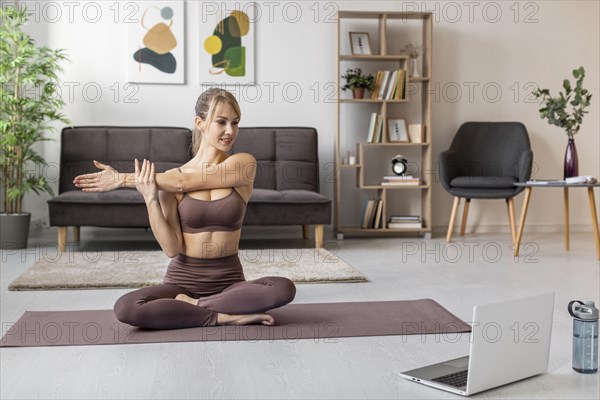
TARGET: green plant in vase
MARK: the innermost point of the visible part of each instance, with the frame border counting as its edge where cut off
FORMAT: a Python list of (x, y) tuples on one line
[(567, 111), (29, 101), (358, 82)]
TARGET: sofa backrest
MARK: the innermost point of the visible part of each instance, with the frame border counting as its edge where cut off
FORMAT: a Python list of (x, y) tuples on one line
[(287, 157), (118, 147)]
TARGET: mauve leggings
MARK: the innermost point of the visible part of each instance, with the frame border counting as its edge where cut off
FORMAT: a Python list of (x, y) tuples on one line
[(218, 283)]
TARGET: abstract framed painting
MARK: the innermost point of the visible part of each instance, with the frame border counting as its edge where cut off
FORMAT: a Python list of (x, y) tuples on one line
[(226, 35), (156, 43)]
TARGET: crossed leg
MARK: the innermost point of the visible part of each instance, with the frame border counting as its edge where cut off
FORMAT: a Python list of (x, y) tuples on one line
[(161, 307)]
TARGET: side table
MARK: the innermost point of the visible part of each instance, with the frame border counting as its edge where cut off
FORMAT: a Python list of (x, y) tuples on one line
[(559, 184)]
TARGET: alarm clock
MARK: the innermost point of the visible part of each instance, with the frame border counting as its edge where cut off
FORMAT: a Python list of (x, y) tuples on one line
[(399, 165)]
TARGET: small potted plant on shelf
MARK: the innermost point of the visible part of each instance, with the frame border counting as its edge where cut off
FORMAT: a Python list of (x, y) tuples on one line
[(567, 111), (30, 101), (357, 82)]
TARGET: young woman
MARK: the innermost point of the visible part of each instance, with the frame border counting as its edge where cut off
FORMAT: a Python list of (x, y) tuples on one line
[(196, 214)]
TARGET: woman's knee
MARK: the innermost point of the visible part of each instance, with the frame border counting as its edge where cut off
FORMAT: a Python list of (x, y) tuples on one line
[(126, 311), (286, 290)]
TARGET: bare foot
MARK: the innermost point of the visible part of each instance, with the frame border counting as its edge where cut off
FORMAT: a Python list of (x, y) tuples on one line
[(247, 319), (186, 298)]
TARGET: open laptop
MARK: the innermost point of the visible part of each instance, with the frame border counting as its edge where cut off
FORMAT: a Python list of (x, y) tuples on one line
[(510, 341)]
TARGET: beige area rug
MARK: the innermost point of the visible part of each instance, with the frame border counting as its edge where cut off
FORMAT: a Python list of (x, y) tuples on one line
[(131, 269)]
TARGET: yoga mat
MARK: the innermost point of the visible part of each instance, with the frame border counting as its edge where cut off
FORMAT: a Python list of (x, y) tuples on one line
[(318, 321)]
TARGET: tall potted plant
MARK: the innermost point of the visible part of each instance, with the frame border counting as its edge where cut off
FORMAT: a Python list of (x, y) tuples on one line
[(29, 102), (567, 111)]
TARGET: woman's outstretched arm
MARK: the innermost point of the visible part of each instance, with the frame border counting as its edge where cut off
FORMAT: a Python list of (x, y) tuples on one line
[(237, 170)]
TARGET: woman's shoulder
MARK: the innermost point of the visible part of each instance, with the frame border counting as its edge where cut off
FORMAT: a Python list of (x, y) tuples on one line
[(240, 157)]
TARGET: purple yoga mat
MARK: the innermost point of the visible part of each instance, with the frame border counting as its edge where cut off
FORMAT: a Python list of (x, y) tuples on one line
[(319, 321)]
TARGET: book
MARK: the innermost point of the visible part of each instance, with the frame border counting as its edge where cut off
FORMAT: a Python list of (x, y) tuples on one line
[(378, 129), (405, 225), (400, 87), (384, 83), (377, 87), (415, 133), (406, 183), (401, 181), (543, 181), (398, 218), (378, 214), (398, 177), (392, 86), (368, 214), (371, 131)]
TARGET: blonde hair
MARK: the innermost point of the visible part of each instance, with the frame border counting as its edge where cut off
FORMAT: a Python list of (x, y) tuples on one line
[(206, 107)]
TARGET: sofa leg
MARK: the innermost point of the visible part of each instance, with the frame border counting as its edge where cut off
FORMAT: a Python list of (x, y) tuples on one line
[(319, 236), (62, 238), (452, 218), (305, 231), (76, 234)]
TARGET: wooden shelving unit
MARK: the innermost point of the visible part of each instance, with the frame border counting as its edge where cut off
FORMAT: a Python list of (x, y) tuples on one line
[(382, 43)]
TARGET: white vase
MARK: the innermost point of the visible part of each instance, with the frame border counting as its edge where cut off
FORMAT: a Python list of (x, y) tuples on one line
[(414, 68)]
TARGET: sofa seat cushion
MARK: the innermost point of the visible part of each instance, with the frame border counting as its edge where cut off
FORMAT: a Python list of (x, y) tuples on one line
[(121, 196), (123, 208), (491, 182), (287, 196), (287, 207)]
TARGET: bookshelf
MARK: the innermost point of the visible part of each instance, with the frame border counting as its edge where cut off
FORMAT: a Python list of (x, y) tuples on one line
[(356, 183)]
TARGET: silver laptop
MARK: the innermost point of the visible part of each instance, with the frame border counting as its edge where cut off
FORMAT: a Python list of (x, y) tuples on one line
[(510, 341)]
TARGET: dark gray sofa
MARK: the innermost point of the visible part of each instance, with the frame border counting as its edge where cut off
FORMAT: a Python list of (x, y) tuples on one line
[(286, 188)]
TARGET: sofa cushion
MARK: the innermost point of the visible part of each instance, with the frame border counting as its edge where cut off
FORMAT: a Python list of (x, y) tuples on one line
[(287, 196), (119, 196)]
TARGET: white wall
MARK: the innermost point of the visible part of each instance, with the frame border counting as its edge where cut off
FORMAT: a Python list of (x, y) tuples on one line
[(479, 48)]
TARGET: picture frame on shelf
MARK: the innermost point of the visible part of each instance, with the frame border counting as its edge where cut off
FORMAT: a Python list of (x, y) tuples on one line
[(360, 43), (397, 130)]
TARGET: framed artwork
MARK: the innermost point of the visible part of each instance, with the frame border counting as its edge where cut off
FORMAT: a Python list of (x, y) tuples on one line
[(397, 130), (227, 48), (155, 43), (360, 43)]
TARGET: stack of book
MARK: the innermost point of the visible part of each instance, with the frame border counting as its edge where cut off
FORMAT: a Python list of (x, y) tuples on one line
[(372, 214), (389, 85), (401, 180), (404, 222)]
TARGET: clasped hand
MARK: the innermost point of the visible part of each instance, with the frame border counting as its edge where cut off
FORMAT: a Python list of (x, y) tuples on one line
[(144, 180)]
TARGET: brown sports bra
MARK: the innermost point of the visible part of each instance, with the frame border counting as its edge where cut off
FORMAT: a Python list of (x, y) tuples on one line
[(224, 214)]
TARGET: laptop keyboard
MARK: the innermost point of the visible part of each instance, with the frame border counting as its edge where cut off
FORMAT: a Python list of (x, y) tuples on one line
[(456, 379)]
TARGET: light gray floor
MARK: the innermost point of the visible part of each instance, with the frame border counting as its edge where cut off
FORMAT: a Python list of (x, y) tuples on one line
[(477, 268)]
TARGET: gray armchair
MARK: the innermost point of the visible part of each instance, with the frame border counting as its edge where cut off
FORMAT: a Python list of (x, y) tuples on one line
[(484, 161)]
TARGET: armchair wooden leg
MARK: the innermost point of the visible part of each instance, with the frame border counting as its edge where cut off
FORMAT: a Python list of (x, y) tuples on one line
[(62, 238), (511, 218), (319, 236), (463, 225), (76, 234), (452, 218), (305, 231)]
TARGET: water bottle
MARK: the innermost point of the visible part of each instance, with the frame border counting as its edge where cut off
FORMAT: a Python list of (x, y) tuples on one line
[(585, 336)]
